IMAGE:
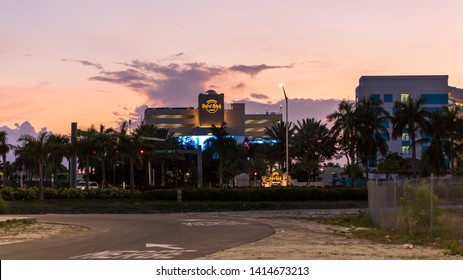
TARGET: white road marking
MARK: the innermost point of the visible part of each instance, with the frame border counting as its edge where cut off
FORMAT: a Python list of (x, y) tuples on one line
[(170, 251), (165, 246)]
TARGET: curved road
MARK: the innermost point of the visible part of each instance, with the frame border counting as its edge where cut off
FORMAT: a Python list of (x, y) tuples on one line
[(141, 236)]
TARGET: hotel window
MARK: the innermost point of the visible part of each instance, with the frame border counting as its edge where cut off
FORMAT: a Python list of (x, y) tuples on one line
[(436, 98), (405, 136), (404, 97), (388, 98), (376, 97), (405, 150)]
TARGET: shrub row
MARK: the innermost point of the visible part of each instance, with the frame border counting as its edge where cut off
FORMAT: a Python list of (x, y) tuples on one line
[(32, 193), (275, 194), (206, 194), (3, 206)]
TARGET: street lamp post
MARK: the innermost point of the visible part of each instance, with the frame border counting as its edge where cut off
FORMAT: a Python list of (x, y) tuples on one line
[(287, 136)]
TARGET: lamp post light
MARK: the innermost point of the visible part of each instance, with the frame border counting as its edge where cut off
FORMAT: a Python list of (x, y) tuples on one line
[(287, 136)]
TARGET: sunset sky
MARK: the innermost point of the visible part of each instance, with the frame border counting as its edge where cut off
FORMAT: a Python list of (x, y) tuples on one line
[(99, 62)]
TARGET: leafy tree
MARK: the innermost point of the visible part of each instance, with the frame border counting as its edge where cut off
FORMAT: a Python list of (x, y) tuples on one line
[(260, 156), (305, 171), (393, 163)]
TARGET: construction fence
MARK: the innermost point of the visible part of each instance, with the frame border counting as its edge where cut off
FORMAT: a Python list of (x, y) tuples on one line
[(417, 206)]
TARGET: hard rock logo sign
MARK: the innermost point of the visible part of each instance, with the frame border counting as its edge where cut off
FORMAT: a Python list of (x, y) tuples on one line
[(211, 106)]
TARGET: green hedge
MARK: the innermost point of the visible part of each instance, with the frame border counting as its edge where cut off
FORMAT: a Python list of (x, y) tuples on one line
[(206, 194), (3, 206)]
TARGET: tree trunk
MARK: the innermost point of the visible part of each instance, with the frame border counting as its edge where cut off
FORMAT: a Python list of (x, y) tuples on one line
[(103, 173), (451, 158), (87, 172), (367, 169), (41, 196), (163, 173), (4, 169), (132, 176), (413, 155), (221, 172)]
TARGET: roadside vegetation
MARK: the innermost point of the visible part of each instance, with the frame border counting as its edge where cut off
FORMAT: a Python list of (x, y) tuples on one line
[(3, 206), (125, 156), (447, 236), (118, 200)]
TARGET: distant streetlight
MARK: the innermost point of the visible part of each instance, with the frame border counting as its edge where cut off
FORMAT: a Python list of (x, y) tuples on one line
[(287, 136)]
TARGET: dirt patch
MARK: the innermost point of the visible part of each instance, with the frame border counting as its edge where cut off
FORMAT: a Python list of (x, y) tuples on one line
[(295, 238), (300, 239), (25, 232)]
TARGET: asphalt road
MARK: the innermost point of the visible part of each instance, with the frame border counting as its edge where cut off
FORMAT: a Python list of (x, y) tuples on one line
[(142, 236)]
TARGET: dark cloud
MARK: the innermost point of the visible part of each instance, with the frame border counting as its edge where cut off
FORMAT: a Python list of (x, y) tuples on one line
[(167, 84), (177, 85), (259, 96), (126, 77), (239, 86), (85, 63), (253, 70)]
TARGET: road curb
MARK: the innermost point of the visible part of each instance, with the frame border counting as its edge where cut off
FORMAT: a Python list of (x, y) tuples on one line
[(17, 218)]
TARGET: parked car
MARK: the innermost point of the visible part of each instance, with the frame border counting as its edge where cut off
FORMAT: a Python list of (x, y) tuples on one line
[(91, 185)]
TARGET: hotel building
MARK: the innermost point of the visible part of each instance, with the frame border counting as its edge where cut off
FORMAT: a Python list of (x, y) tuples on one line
[(389, 89), (196, 122)]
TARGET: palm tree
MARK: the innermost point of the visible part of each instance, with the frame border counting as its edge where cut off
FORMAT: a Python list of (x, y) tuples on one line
[(151, 137), (454, 127), (85, 148), (409, 117), (313, 144), (58, 148), (371, 117), (36, 149), (104, 144), (4, 149), (277, 132), (129, 146), (345, 131), (223, 145), (437, 135)]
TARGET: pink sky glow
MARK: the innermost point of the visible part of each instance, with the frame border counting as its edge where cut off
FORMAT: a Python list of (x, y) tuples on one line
[(99, 62)]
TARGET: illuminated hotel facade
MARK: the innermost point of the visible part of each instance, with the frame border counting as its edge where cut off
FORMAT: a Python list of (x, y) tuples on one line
[(197, 122), (389, 89)]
